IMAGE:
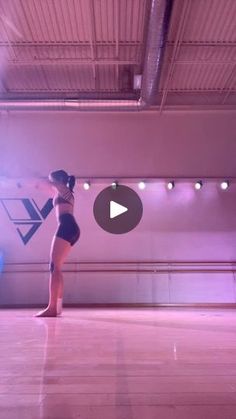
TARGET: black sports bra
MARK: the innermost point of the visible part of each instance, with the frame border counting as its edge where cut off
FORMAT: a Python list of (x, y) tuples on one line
[(60, 200), (64, 196)]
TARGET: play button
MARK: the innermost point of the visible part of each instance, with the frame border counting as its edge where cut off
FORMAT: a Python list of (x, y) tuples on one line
[(118, 210)]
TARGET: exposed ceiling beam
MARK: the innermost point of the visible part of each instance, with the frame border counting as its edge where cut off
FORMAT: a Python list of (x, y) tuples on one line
[(203, 44), (181, 91), (117, 36), (69, 43), (92, 32), (229, 84), (70, 61), (217, 62), (29, 23), (117, 61), (178, 40), (7, 42), (199, 91)]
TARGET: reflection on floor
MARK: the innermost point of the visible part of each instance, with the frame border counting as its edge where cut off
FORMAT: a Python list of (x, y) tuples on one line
[(118, 364)]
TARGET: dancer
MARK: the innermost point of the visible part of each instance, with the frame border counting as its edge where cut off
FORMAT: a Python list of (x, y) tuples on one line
[(67, 235)]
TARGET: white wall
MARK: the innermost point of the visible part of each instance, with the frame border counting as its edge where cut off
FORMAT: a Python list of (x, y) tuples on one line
[(178, 226), (104, 144)]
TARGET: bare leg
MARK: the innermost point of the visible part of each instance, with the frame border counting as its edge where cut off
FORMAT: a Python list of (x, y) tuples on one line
[(59, 250), (59, 306), (60, 295)]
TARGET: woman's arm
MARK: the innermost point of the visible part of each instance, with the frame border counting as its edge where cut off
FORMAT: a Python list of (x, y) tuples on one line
[(42, 184)]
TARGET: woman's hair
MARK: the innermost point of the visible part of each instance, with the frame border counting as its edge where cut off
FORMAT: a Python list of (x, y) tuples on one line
[(62, 176), (71, 182)]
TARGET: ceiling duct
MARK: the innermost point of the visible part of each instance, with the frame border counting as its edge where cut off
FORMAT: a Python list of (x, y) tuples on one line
[(69, 105), (158, 25), (156, 38)]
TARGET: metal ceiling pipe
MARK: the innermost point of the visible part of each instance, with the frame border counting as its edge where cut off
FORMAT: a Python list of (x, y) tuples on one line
[(70, 105), (157, 30), (156, 38)]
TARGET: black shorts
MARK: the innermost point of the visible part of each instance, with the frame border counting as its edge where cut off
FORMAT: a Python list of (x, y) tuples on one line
[(68, 229)]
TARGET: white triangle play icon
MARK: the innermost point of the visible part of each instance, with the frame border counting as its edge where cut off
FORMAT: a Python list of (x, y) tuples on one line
[(116, 209)]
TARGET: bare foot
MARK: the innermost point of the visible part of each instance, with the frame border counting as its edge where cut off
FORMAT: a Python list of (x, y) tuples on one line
[(47, 312)]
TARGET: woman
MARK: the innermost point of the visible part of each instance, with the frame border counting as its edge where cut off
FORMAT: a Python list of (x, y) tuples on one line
[(67, 235)]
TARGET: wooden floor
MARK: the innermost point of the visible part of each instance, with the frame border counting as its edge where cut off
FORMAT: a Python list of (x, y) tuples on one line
[(118, 364)]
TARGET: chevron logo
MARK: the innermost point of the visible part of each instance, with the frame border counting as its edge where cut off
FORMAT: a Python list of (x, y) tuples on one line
[(26, 215)]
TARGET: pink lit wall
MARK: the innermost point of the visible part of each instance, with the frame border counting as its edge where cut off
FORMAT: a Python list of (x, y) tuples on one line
[(100, 144), (182, 225)]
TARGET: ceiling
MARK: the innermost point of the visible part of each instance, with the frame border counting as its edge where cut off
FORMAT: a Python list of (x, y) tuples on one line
[(91, 49)]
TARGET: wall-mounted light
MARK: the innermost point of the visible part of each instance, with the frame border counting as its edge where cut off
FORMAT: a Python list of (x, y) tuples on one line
[(142, 185), (170, 185), (86, 185), (224, 185), (198, 185), (114, 185)]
